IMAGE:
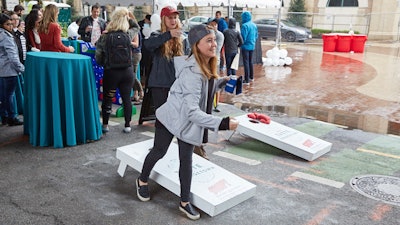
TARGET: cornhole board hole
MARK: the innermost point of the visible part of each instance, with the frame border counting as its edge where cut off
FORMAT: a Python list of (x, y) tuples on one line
[(288, 139), (214, 189)]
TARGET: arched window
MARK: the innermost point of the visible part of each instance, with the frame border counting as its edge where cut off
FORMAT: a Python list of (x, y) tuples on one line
[(342, 3)]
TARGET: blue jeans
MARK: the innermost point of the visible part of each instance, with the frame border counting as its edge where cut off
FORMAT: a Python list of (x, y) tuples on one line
[(7, 92), (248, 65), (229, 59)]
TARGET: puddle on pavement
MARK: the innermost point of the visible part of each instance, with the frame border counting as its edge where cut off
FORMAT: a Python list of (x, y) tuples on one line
[(321, 86)]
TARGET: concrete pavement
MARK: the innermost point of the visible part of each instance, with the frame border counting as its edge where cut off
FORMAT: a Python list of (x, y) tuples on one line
[(80, 184)]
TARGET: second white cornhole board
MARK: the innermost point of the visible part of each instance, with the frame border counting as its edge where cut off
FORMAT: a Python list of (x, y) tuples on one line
[(213, 190), (288, 139)]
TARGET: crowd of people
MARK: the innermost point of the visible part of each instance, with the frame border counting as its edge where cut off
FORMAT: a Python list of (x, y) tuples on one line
[(183, 73), (39, 31)]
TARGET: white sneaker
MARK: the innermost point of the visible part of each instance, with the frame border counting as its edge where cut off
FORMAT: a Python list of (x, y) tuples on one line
[(105, 128), (127, 129)]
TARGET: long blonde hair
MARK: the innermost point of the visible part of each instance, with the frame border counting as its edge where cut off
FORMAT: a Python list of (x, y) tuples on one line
[(174, 46), (207, 67), (119, 21), (50, 15)]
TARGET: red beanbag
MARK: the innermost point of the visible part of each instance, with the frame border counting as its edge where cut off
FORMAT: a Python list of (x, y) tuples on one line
[(263, 118), (260, 117), (252, 116)]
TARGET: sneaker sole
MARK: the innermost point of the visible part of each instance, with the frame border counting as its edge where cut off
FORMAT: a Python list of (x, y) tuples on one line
[(137, 193), (190, 216), (105, 129)]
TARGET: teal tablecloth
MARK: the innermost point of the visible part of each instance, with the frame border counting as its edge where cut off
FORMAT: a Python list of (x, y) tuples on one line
[(19, 95), (74, 43), (60, 105)]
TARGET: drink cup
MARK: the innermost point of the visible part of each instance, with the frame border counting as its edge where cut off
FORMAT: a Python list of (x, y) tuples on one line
[(231, 84)]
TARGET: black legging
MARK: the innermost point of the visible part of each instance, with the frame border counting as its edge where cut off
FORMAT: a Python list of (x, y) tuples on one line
[(159, 96), (123, 80), (162, 140)]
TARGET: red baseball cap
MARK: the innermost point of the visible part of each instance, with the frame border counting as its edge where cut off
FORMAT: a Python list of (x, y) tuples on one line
[(168, 10)]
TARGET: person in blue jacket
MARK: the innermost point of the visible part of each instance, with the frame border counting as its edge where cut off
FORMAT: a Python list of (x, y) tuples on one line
[(222, 26), (249, 33), (184, 113), (10, 67)]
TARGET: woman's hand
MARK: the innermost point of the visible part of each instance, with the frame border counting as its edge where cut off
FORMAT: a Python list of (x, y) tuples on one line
[(176, 33), (71, 49), (233, 124)]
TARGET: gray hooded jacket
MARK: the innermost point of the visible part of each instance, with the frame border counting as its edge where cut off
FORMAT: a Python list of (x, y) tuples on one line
[(10, 64), (184, 113)]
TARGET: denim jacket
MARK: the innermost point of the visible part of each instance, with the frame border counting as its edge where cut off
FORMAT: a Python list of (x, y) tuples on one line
[(9, 58)]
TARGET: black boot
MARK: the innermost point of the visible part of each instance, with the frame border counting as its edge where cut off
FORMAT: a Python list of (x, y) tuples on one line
[(14, 122), (4, 120)]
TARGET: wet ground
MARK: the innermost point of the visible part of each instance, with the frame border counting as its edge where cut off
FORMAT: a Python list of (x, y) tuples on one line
[(357, 182), (356, 90)]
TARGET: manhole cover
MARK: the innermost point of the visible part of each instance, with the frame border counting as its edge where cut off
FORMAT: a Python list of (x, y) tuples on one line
[(383, 188)]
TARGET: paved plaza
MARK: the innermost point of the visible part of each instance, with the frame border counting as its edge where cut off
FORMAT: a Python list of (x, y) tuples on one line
[(350, 100)]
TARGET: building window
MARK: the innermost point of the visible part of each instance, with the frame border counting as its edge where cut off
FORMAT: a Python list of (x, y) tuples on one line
[(342, 3)]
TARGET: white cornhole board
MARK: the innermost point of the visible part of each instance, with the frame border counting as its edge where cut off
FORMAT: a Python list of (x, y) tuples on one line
[(288, 139), (213, 190)]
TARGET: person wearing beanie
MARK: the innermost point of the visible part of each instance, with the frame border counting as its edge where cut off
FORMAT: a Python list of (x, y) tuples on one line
[(184, 113), (219, 37)]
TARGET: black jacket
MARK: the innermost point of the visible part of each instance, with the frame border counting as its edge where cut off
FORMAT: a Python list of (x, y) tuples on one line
[(86, 21), (17, 37), (162, 72), (233, 39)]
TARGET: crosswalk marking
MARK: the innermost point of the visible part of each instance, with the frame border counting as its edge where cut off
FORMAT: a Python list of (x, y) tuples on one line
[(148, 133), (251, 162), (378, 153), (317, 179)]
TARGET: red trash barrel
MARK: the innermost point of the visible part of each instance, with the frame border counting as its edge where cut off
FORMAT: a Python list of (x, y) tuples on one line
[(358, 42), (344, 42), (329, 42)]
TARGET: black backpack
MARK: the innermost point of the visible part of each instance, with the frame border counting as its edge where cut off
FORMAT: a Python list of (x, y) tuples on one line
[(119, 51)]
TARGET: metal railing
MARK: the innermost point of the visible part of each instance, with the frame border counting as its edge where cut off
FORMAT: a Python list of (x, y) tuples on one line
[(378, 26)]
